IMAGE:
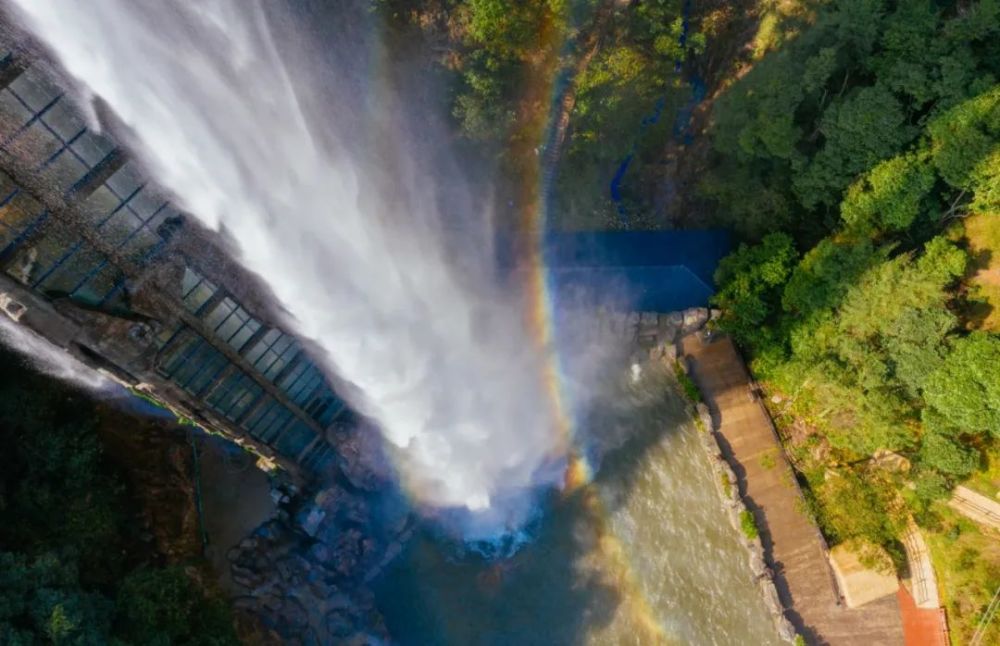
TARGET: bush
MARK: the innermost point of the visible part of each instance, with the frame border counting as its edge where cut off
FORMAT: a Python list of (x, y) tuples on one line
[(748, 524), (687, 384)]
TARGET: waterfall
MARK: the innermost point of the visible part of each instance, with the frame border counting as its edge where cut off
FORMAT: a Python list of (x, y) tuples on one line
[(290, 161)]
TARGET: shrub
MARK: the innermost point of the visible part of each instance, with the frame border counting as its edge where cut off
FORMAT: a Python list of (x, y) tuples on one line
[(748, 524), (687, 384)]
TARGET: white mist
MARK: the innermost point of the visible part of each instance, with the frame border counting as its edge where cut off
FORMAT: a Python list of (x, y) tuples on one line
[(439, 354)]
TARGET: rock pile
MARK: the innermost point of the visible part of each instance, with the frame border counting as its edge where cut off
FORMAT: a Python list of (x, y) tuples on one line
[(305, 571)]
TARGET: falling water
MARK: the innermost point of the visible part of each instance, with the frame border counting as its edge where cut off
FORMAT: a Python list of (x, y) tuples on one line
[(49, 358), (291, 167)]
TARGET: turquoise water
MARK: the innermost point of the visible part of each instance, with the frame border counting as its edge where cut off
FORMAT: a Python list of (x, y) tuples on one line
[(643, 555)]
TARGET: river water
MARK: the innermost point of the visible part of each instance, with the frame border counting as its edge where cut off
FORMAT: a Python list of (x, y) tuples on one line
[(643, 555)]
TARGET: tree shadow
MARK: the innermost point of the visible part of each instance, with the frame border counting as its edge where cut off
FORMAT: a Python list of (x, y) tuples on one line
[(975, 310)]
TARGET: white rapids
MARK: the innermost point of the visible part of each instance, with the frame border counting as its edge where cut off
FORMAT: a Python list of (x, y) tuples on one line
[(438, 353)]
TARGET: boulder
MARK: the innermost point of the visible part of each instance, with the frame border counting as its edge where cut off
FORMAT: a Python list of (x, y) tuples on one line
[(785, 629), (771, 599), (294, 613), (694, 319), (339, 623)]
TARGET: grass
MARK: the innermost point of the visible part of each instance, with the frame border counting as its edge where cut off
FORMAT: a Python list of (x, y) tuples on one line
[(687, 384), (987, 480), (148, 398), (767, 460), (982, 232), (748, 524), (967, 564), (727, 487)]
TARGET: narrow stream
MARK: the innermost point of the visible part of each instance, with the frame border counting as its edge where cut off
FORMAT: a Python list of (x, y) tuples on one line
[(644, 555)]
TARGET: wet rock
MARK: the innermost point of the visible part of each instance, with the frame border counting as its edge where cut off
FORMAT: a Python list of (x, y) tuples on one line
[(705, 416), (758, 567), (785, 629), (245, 603), (294, 613), (694, 319), (271, 602), (310, 518), (771, 599), (339, 623)]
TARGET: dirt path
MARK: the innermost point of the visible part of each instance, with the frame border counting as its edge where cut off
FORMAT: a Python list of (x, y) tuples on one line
[(794, 548)]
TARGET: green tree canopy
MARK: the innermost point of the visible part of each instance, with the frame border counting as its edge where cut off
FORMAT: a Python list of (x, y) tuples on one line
[(750, 281), (963, 393), (891, 196)]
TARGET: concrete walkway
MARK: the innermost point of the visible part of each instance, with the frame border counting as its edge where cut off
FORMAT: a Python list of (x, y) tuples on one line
[(922, 579), (794, 548), (976, 507)]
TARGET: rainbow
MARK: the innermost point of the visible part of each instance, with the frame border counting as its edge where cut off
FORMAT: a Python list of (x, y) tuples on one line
[(611, 554)]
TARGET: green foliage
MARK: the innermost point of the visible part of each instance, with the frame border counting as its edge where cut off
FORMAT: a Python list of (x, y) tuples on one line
[(483, 108), (891, 196), (963, 393), (161, 606), (965, 147), (687, 384), (929, 487), (940, 452), (823, 276), (48, 457), (855, 506), (41, 599), (750, 281), (748, 525), (865, 127), (66, 535), (506, 28)]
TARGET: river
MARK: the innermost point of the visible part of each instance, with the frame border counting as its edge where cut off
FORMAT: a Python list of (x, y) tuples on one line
[(645, 554)]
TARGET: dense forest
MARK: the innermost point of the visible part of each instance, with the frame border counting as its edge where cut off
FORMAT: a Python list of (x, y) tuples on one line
[(861, 161), (75, 567), (854, 148), (864, 157)]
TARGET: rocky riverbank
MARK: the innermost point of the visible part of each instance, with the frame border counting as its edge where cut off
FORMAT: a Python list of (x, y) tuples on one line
[(663, 342), (304, 572)]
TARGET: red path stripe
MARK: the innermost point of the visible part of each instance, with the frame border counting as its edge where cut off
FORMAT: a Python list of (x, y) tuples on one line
[(921, 626)]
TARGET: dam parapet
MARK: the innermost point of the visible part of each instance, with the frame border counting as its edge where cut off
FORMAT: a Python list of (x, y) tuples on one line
[(98, 259)]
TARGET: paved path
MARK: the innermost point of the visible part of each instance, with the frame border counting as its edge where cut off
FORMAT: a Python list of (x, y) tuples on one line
[(794, 548), (976, 506), (922, 579), (922, 626)]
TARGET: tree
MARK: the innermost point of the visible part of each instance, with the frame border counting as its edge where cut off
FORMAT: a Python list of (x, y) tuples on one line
[(965, 148), (826, 272), (856, 507), (506, 28), (749, 282), (963, 394), (163, 606), (865, 127), (946, 455), (41, 600), (891, 196)]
